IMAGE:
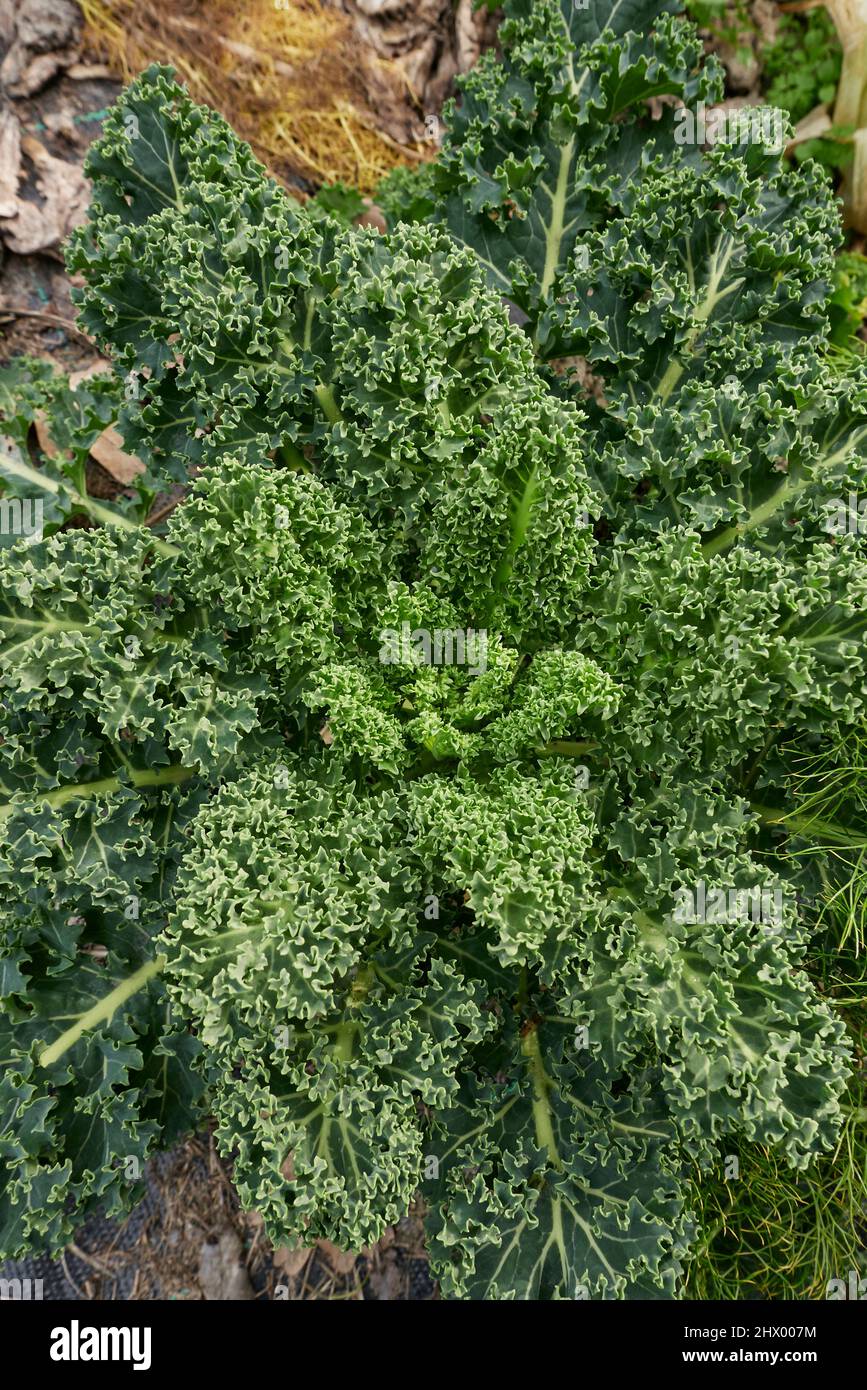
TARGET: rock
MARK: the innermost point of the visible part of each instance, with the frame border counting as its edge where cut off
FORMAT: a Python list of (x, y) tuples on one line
[(222, 1276), (10, 161), (44, 40), (65, 193)]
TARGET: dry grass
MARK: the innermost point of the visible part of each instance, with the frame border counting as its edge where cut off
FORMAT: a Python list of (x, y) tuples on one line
[(286, 78)]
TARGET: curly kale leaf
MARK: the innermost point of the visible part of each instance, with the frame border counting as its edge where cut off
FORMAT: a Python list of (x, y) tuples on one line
[(556, 151), (113, 699), (545, 141), (384, 366), (676, 282), (552, 1188), (96, 1073), (295, 950)]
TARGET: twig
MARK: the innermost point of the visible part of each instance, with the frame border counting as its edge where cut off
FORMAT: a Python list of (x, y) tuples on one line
[(85, 1297), (160, 513), (9, 311), (91, 1260)]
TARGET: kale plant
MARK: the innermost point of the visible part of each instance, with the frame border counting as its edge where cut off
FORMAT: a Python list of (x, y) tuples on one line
[(405, 806)]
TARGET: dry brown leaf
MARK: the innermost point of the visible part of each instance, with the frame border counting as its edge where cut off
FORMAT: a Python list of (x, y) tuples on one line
[(766, 14), (85, 72), (61, 123), (46, 443), (741, 65), (7, 22), (291, 1262), (474, 32), (341, 1261), (372, 216), (386, 1279), (409, 54), (99, 364), (36, 73), (109, 452)]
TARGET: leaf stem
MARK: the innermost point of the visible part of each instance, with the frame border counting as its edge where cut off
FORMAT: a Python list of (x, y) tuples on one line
[(522, 512), (541, 1086), (566, 748), (720, 259), (344, 1041), (789, 489), (330, 408), (102, 1011), (293, 457), (58, 796)]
